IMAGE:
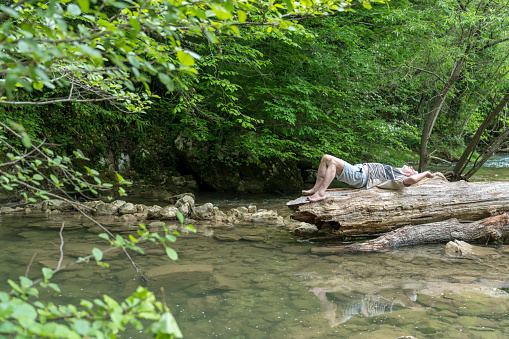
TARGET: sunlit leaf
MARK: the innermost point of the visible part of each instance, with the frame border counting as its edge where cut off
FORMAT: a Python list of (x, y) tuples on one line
[(74, 9), (185, 59), (84, 5), (98, 254)]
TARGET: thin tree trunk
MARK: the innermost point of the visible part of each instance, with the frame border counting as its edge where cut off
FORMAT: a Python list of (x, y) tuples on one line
[(435, 112), (488, 152), (462, 163)]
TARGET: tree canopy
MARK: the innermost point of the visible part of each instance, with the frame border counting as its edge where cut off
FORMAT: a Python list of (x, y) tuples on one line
[(89, 51)]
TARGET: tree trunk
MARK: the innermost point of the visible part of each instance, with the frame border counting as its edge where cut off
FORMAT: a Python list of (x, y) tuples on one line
[(463, 162), (353, 212), (487, 230), (488, 152), (435, 112)]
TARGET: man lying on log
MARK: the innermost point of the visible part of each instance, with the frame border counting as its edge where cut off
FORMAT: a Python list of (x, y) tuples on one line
[(361, 175)]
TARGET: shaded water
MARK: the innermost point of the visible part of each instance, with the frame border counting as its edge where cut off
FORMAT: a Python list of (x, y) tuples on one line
[(257, 281)]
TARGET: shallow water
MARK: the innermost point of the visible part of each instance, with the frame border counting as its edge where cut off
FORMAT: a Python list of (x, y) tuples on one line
[(258, 281)]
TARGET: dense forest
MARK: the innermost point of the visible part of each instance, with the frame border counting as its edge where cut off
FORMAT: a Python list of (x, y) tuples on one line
[(393, 82), (238, 95)]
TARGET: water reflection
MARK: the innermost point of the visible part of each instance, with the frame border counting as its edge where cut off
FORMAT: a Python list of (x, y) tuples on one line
[(340, 308)]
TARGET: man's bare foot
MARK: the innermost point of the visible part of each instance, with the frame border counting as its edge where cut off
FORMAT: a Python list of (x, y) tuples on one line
[(308, 192), (316, 197)]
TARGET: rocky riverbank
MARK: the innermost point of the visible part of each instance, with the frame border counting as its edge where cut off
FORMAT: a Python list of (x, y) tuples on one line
[(127, 214)]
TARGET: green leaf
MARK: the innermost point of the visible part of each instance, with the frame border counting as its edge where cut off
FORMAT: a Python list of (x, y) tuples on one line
[(135, 24), (38, 85), (169, 325), (184, 58), (180, 217), (81, 326), (47, 273), (120, 241), (222, 13), (242, 16), (54, 287), (190, 228), (120, 178), (7, 327), (121, 191), (212, 38), (171, 238), (166, 80), (84, 5), (367, 5), (289, 5), (25, 282), (98, 254), (170, 252), (7, 187), (54, 178), (10, 11), (25, 314), (15, 286), (38, 177), (74, 9), (26, 140)]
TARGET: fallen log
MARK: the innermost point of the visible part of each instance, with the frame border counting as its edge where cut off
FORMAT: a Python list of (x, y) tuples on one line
[(352, 212), (484, 231)]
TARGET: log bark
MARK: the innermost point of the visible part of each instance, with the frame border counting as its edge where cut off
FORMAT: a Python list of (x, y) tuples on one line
[(484, 231), (353, 212)]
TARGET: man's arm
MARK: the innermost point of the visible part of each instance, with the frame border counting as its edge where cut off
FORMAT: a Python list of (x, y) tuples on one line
[(416, 178)]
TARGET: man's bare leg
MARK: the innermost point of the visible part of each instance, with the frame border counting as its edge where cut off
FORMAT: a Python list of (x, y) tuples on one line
[(334, 166), (320, 174)]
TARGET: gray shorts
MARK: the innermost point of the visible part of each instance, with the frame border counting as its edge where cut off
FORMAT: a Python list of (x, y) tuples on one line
[(353, 175)]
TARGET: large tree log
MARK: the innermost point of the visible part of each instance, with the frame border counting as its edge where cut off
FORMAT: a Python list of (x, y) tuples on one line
[(350, 212), (487, 230)]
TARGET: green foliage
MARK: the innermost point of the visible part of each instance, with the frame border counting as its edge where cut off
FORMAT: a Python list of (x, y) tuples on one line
[(39, 172), (28, 169), (99, 50), (104, 318), (290, 98)]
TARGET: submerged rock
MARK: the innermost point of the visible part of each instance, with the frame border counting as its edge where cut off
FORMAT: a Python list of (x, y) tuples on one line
[(458, 248), (305, 229), (182, 275), (127, 218)]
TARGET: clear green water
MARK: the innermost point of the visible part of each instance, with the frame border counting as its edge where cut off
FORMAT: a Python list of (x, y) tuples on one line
[(269, 285)]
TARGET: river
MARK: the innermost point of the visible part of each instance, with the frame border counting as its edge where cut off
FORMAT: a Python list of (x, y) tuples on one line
[(259, 281)]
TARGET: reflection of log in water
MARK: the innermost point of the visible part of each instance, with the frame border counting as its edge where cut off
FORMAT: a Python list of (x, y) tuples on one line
[(368, 305)]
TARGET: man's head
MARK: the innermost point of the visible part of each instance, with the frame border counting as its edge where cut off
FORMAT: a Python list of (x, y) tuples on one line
[(408, 170)]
